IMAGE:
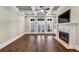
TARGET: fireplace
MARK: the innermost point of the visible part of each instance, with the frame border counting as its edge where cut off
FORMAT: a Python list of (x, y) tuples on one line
[(64, 36)]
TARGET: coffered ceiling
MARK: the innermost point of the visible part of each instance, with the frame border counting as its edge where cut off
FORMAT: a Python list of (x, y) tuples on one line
[(38, 10)]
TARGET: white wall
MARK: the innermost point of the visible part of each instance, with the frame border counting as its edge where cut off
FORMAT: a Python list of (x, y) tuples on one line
[(22, 23), (11, 23)]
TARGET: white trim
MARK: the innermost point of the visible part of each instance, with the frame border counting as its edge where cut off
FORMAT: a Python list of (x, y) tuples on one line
[(40, 15), (67, 46), (50, 10), (10, 41), (39, 33), (33, 9)]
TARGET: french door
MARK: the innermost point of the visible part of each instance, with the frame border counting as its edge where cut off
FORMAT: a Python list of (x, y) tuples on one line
[(41, 25)]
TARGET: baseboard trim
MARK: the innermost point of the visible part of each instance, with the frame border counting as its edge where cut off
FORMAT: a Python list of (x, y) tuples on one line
[(39, 33), (10, 41)]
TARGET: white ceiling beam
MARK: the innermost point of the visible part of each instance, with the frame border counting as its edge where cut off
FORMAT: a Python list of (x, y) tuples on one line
[(33, 9), (50, 10)]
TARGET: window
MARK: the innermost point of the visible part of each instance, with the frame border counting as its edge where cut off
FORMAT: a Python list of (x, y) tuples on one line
[(41, 25), (32, 19), (49, 25), (49, 19), (32, 25)]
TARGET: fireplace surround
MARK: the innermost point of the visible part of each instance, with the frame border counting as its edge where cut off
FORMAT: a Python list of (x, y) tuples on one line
[(68, 33), (64, 36)]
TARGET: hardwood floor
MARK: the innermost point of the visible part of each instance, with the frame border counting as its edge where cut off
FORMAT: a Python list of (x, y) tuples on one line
[(33, 43)]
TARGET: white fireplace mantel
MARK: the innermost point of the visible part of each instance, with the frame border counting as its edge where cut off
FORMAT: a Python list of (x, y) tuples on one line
[(68, 23), (72, 29)]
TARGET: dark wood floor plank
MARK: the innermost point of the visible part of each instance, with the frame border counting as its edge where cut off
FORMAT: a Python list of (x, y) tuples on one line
[(33, 43)]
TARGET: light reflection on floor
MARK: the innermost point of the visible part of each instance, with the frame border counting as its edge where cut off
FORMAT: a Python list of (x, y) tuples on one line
[(41, 42)]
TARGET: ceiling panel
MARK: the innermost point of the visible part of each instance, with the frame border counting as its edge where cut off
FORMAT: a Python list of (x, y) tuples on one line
[(24, 7), (55, 8), (38, 10), (42, 10)]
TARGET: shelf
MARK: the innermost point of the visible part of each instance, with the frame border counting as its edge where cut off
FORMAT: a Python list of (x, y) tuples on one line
[(69, 23)]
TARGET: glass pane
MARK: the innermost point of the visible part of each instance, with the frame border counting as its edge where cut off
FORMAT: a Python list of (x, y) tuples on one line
[(41, 25), (32, 28), (38, 27), (49, 26), (32, 25)]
